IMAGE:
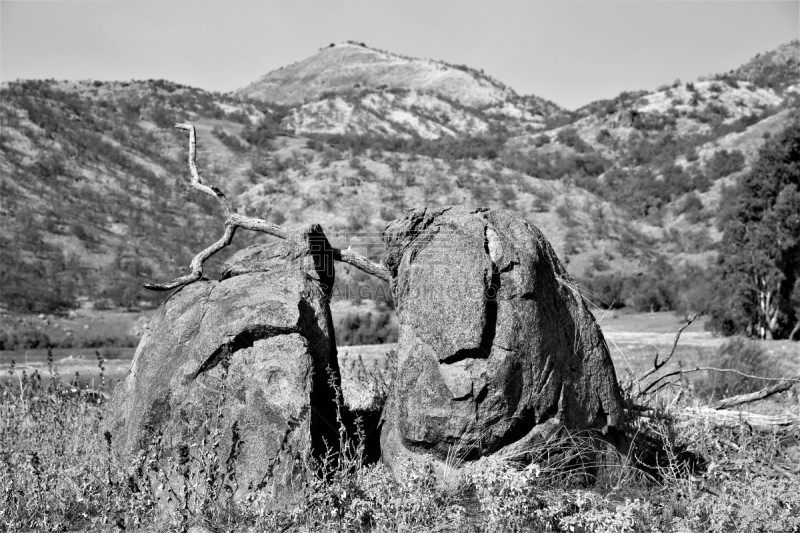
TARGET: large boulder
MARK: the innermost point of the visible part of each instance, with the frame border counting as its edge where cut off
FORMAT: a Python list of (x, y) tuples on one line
[(496, 348), (245, 357)]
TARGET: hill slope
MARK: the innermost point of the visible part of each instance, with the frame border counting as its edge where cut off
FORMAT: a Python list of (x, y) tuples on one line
[(94, 191), (95, 198)]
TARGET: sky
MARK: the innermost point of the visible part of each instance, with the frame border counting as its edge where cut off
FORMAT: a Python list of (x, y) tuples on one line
[(568, 51)]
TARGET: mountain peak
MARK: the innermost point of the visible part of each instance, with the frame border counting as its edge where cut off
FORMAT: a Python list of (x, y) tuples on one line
[(351, 66)]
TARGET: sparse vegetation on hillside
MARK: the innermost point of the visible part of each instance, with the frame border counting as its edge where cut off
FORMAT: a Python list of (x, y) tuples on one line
[(776, 69), (95, 197), (91, 190)]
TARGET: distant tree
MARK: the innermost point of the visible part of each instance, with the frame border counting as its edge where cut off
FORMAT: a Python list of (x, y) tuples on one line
[(759, 261), (724, 163), (691, 207), (604, 137), (541, 140), (162, 116), (570, 137), (267, 128)]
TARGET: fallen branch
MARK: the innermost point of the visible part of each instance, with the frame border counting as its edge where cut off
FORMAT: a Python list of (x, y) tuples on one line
[(734, 418), (729, 419), (741, 399), (234, 220)]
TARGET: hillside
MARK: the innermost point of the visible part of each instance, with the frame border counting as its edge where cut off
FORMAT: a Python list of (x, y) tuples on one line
[(775, 69), (95, 198), (94, 192)]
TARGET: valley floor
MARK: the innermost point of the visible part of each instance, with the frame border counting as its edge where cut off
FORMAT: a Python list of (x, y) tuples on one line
[(633, 340)]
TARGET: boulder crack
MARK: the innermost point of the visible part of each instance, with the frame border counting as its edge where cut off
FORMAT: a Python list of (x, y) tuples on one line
[(240, 341)]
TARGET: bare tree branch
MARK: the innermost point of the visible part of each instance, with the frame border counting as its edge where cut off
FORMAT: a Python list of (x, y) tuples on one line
[(196, 264), (704, 369), (656, 364), (234, 220)]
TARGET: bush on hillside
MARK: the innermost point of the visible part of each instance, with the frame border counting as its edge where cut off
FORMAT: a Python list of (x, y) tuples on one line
[(691, 205), (724, 163), (569, 137), (604, 137), (229, 140), (269, 127), (541, 140)]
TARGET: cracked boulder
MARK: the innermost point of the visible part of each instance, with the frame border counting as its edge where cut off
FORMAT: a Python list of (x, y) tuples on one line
[(497, 351), (242, 362)]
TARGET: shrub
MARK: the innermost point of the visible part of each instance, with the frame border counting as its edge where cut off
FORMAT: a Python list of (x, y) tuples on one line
[(569, 137), (357, 329), (604, 137), (229, 140), (50, 165), (163, 117), (565, 211), (604, 290), (24, 339), (506, 195), (691, 207), (358, 219), (724, 163), (267, 129)]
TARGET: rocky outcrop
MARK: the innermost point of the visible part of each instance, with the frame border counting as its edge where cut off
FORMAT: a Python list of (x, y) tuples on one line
[(247, 356), (496, 347)]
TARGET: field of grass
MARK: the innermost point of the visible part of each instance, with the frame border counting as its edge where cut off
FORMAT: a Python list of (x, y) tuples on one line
[(57, 472)]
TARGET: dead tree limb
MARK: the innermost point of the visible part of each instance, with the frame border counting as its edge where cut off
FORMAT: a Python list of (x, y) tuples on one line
[(741, 399), (658, 365), (734, 418), (234, 220), (728, 419)]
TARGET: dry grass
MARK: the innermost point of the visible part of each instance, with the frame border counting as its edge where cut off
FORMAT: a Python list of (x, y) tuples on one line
[(58, 475), (56, 472)]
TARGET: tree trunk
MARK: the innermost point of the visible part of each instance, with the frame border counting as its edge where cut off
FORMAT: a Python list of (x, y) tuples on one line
[(795, 331)]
